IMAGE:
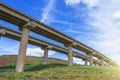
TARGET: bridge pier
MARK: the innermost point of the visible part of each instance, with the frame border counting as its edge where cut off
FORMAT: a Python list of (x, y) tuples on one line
[(45, 57), (95, 64), (90, 59), (23, 47), (85, 62), (101, 63), (70, 55)]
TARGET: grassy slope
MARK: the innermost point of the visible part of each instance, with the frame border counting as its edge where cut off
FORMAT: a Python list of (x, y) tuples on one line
[(11, 59), (57, 71)]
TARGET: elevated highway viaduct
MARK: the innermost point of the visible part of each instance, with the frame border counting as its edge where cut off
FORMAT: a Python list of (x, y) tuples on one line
[(28, 24), (12, 34)]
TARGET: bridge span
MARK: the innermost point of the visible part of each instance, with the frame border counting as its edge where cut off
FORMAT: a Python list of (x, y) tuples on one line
[(12, 34), (28, 24)]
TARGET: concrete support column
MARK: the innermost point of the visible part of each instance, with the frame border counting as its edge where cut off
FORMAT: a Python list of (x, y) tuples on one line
[(91, 59), (45, 58), (70, 55), (46, 49), (101, 62), (95, 64), (70, 52), (86, 62), (23, 47), (22, 50)]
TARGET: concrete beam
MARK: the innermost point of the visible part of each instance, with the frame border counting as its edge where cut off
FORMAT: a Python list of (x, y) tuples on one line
[(73, 44), (2, 32)]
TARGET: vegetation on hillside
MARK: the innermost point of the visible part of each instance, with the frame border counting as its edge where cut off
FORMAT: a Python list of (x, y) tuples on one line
[(11, 59), (54, 71), (59, 71)]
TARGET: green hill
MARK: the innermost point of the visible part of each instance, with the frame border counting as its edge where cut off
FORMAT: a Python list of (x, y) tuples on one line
[(58, 71), (11, 59)]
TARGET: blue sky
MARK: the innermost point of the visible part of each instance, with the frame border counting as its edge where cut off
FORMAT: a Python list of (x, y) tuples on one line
[(95, 23)]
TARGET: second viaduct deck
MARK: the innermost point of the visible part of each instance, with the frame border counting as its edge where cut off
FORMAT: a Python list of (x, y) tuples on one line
[(9, 33)]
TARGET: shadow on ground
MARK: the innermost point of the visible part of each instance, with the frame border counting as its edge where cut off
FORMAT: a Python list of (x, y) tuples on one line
[(28, 67), (9, 68), (45, 66)]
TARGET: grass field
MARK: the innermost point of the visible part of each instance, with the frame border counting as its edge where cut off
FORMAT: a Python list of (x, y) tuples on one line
[(59, 71)]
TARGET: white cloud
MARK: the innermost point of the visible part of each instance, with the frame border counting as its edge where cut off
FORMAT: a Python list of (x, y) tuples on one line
[(77, 60), (30, 51), (7, 47), (46, 15), (35, 52), (51, 52), (59, 21), (9, 51), (107, 22), (38, 52), (116, 17), (72, 2), (116, 14), (73, 31), (90, 3)]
